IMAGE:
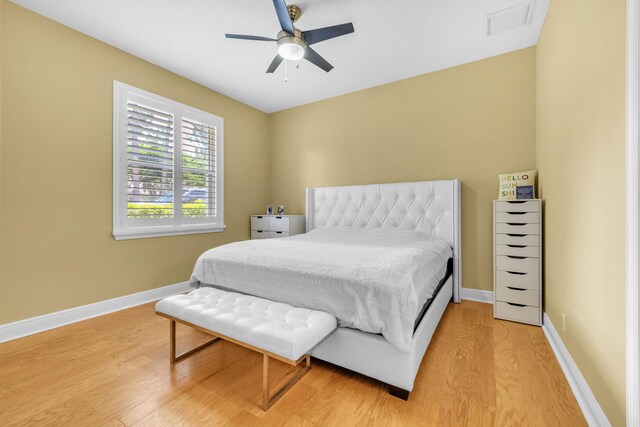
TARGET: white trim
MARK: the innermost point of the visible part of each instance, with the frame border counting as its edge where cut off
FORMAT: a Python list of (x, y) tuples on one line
[(174, 230), (477, 295), (587, 401), (633, 214), (33, 325)]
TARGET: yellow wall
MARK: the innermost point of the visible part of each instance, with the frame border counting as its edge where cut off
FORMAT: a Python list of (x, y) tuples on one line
[(469, 122), (581, 160), (56, 248)]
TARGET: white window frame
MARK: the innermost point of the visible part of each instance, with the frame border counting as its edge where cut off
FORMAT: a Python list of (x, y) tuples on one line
[(125, 228)]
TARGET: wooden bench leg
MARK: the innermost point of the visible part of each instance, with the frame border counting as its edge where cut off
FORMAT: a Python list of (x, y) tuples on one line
[(172, 356), (267, 401)]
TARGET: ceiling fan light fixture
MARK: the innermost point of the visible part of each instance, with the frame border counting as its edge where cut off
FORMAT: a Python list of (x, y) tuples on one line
[(291, 47), (291, 51)]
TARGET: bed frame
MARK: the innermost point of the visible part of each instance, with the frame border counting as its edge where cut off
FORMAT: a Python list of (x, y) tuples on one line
[(432, 207)]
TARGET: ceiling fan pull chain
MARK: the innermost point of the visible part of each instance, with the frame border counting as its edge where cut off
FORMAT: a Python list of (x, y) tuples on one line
[(286, 71)]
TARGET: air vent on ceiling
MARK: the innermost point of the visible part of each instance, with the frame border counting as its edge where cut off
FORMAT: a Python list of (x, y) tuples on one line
[(510, 18)]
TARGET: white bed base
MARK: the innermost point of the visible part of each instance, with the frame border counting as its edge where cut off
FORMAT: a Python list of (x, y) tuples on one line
[(432, 207)]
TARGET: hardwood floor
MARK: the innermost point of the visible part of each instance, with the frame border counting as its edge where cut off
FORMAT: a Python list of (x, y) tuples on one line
[(114, 370)]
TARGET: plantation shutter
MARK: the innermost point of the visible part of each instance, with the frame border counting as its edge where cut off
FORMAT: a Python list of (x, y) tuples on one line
[(199, 182), (150, 162), (167, 173)]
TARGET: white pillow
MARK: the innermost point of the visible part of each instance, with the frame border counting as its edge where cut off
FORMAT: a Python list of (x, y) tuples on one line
[(517, 185)]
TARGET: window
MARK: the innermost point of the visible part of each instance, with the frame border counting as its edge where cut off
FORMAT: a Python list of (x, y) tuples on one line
[(167, 167)]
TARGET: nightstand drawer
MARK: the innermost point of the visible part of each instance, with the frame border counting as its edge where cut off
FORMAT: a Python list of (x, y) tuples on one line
[(518, 239), (259, 234), (518, 265), (513, 228), (518, 250), (259, 222), (518, 280), (278, 234), (518, 217), (517, 295), (517, 206), (519, 313), (279, 223)]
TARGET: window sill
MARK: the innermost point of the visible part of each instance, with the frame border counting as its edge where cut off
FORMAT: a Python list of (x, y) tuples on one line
[(180, 230)]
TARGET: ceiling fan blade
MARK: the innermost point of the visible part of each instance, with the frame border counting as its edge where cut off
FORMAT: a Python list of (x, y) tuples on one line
[(326, 33), (245, 37), (283, 16), (317, 60), (274, 64)]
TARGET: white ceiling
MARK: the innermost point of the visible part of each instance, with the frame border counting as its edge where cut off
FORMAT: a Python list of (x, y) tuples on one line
[(393, 40)]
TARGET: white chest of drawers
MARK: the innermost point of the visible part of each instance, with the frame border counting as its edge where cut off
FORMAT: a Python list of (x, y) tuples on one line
[(268, 226), (517, 260)]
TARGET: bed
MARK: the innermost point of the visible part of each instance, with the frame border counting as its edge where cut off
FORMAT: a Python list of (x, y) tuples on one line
[(383, 258)]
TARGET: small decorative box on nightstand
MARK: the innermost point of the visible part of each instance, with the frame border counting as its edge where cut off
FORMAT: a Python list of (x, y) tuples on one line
[(517, 260), (267, 226)]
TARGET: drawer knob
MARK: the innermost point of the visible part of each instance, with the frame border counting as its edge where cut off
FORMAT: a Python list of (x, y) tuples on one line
[(515, 289), (516, 223), (516, 213), (517, 246), (259, 217), (515, 257), (516, 235), (516, 272), (278, 217)]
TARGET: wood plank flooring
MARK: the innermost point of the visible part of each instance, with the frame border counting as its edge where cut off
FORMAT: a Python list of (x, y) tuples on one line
[(114, 371)]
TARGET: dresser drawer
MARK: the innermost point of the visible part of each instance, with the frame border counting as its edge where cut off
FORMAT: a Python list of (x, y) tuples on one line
[(518, 239), (518, 265), (278, 234), (259, 234), (518, 217), (259, 222), (518, 280), (517, 295), (526, 314), (517, 206), (517, 250), (279, 223), (513, 228)]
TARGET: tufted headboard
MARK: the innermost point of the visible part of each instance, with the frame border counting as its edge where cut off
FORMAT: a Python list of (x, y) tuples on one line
[(432, 207)]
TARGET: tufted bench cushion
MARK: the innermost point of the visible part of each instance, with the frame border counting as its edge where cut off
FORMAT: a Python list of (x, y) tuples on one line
[(281, 329)]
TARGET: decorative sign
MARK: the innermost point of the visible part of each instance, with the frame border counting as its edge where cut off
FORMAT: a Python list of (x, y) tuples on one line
[(517, 185)]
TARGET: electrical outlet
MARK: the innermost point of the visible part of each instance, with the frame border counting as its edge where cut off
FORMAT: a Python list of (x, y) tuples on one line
[(564, 322)]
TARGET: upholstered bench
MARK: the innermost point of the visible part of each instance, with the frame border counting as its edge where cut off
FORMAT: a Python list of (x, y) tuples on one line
[(276, 330)]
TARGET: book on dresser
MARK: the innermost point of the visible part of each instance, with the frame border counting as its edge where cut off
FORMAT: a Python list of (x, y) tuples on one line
[(517, 260), (269, 226)]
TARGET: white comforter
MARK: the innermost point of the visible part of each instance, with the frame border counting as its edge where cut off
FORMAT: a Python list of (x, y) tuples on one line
[(370, 279)]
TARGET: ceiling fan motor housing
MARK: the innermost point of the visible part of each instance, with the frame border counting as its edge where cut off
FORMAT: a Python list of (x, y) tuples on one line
[(291, 47)]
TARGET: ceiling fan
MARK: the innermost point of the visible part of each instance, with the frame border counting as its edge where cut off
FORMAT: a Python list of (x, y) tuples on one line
[(294, 44)]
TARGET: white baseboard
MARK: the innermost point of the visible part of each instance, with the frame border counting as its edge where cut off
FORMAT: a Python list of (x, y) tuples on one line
[(587, 401), (477, 295), (22, 328)]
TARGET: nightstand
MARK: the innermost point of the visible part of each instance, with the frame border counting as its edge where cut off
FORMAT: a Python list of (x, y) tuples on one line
[(268, 226), (517, 260)]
